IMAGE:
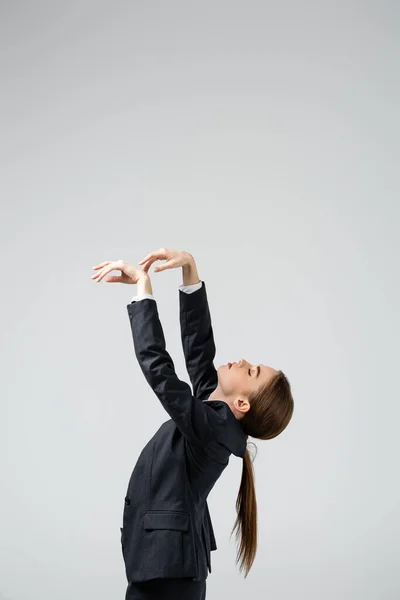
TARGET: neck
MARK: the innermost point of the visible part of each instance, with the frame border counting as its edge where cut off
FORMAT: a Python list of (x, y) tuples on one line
[(217, 394)]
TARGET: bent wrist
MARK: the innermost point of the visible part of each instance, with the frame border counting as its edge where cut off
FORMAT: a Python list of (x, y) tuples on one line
[(189, 272), (143, 285), (189, 259)]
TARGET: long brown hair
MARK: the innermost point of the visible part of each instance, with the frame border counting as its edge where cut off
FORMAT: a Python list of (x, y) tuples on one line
[(271, 408)]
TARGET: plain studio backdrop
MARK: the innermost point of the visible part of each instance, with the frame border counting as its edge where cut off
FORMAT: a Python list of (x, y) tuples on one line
[(262, 137)]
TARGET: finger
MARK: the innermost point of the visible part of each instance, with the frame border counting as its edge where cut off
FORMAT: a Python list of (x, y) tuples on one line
[(147, 257), (110, 267), (146, 266), (114, 279), (163, 267), (169, 264), (101, 264), (157, 254), (95, 275)]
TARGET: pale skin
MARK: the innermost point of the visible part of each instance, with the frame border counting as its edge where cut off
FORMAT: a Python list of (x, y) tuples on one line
[(235, 380)]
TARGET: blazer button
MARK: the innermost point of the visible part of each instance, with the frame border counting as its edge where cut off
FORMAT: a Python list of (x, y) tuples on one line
[(127, 501)]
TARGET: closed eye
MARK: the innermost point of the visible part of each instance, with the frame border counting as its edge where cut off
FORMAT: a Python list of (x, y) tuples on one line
[(258, 371)]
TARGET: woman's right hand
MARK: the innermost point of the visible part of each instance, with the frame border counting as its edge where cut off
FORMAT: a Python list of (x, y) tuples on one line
[(174, 258)]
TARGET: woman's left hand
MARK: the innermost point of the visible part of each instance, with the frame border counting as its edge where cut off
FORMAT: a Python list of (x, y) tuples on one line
[(129, 273)]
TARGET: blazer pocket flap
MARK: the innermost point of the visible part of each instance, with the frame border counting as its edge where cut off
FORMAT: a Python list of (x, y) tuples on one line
[(166, 520)]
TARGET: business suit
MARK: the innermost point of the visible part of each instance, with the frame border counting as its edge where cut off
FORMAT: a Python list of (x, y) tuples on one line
[(167, 530)]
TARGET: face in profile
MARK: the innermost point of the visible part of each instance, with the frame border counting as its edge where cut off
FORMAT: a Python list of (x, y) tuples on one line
[(241, 378)]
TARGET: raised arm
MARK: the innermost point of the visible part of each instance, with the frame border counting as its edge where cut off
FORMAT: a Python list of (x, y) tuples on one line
[(195, 319), (196, 420), (197, 334), (200, 422)]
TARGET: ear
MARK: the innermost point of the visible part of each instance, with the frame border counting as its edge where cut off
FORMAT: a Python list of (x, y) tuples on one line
[(242, 404)]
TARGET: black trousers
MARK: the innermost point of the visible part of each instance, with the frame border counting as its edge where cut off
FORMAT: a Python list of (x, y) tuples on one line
[(166, 589)]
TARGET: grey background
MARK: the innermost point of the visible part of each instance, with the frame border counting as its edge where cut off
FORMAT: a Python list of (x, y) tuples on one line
[(262, 137)]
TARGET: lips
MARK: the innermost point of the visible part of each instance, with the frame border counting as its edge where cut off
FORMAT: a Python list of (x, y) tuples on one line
[(229, 365)]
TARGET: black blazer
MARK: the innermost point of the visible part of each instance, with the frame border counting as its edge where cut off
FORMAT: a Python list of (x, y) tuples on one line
[(167, 529)]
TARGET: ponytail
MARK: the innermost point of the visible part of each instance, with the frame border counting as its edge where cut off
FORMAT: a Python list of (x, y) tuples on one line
[(246, 520), (271, 409)]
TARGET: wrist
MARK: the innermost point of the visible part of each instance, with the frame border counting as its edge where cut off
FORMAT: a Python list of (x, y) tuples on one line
[(189, 272), (189, 260), (143, 285)]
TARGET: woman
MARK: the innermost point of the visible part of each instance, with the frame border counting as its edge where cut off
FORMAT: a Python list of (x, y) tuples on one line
[(167, 534)]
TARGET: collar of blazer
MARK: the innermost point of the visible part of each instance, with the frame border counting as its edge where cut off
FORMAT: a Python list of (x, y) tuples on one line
[(231, 433)]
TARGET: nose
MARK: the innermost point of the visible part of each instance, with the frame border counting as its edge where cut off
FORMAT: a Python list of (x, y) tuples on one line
[(240, 363)]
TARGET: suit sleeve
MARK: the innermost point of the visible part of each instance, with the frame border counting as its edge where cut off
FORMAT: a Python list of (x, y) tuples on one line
[(198, 341), (197, 422)]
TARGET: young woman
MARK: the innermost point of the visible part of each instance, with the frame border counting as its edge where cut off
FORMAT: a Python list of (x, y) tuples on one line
[(167, 534)]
